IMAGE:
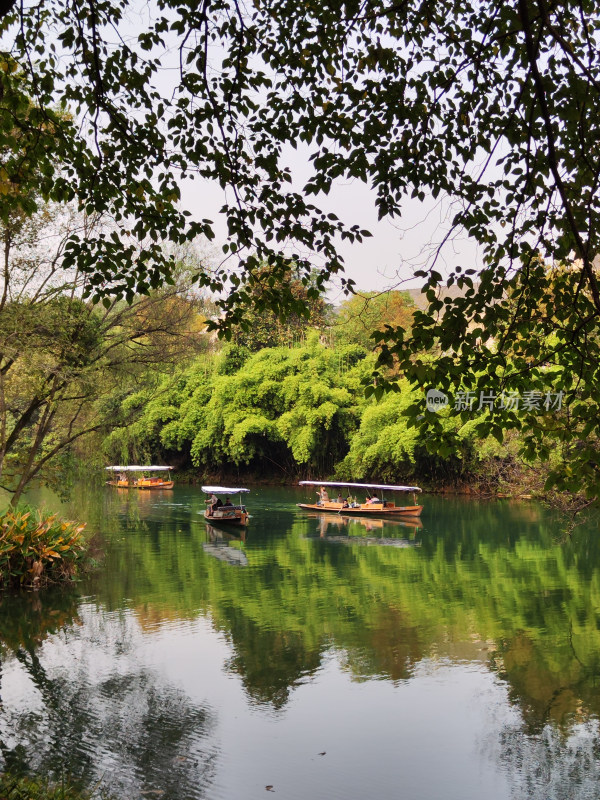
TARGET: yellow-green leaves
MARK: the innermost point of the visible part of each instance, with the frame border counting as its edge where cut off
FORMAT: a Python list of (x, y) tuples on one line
[(37, 549)]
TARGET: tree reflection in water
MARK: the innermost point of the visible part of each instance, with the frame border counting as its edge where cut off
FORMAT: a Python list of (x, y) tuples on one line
[(552, 765), (97, 715), (487, 585)]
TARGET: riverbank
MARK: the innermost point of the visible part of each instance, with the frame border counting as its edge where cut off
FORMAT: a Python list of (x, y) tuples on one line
[(523, 486)]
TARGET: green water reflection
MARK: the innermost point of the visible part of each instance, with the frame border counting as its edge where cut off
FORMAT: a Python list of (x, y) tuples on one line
[(486, 588)]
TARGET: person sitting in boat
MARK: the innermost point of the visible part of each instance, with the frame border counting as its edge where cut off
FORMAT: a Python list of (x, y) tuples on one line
[(227, 502), (343, 500)]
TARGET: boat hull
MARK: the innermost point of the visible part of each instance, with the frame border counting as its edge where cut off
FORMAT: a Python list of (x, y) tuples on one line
[(364, 511), (135, 485), (237, 518)]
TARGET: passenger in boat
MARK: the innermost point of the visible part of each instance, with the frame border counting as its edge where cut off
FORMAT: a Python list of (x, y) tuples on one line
[(340, 499), (227, 502)]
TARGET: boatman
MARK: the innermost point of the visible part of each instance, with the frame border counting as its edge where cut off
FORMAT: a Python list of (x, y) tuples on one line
[(322, 495)]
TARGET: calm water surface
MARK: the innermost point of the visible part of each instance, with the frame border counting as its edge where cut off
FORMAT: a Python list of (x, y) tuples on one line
[(316, 658)]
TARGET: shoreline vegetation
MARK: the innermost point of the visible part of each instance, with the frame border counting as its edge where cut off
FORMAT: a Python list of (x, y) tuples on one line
[(13, 787), (519, 490), (286, 413), (39, 549)]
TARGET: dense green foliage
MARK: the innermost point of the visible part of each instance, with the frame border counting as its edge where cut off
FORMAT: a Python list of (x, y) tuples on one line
[(284, 412), (284, 409), (37, 549), (17, 788)]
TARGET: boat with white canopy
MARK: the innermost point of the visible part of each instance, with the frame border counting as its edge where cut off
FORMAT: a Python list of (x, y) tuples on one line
[(344, 499), (225, 513), (141, 477)]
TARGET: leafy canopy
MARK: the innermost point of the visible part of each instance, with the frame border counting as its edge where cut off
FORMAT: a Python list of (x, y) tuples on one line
[(284, 408), (492, 106)]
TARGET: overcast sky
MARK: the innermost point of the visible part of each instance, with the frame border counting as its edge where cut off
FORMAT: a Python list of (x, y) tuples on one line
[(389, 259)]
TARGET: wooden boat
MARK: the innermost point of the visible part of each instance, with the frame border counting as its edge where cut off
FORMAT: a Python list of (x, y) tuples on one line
[(219, 513), (125, 477), (375, 505)]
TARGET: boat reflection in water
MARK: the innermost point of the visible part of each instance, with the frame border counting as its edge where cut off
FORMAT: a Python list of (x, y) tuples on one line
[(343, 529), (219, 546)]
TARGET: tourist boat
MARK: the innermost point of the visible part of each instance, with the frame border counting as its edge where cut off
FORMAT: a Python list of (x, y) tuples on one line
[(225, 513), (375, 505), (141, 477)]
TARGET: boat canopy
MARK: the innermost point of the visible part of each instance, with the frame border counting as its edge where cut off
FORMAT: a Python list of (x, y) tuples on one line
[(362, 486), (222, 490), (138, 469)]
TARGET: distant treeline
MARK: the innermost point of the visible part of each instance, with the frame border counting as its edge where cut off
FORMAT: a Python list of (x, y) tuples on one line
[(285, 412)]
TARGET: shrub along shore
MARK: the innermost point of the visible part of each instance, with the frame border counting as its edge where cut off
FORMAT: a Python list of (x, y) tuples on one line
[(37, 549), (27, 788)]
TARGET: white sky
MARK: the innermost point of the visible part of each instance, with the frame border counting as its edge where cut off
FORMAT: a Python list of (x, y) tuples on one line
[(385, 261)]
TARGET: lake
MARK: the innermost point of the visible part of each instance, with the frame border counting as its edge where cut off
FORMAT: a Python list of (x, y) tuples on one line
[(315, 657)]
